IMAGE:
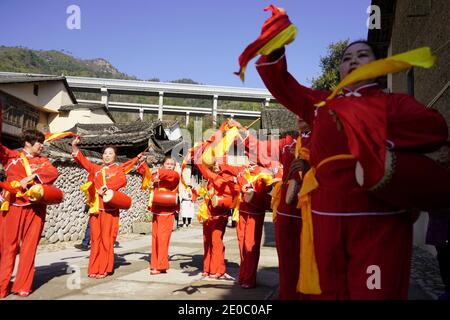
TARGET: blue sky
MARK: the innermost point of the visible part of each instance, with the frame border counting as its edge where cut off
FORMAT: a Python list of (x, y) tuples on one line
[(173, 39)]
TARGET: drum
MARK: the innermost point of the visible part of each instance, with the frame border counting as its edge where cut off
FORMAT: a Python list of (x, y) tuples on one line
[(117, 200), (292, 192), (222, 202), (411, 181), (45, 194), (164, 198), (259, 200)]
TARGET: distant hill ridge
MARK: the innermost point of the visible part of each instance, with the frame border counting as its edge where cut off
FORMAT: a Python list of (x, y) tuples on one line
[(20, 59)]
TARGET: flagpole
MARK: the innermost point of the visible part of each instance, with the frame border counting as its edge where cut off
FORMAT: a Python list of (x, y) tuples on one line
[(251, 124)]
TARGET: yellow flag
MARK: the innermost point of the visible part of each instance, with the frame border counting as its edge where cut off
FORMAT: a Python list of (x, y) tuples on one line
[(420, 57)]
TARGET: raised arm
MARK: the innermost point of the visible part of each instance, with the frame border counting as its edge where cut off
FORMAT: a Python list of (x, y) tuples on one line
[(6, 153), (220, 184), (80, 158), (264, 152), (283, 86), (128, 166)]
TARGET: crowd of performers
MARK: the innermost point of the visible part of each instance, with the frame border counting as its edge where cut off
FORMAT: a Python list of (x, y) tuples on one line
[(344, 189)]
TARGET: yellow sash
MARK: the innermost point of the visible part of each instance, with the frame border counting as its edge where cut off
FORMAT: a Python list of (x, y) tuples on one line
[(308, 280), (300, 153), (93, 203), (16, 184)]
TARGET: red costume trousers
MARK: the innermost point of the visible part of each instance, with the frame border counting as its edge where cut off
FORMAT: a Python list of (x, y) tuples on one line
[(104, 229), (249, 232), (20, 226), (214, 250), (363, 257), (161, 232), (287, 238)]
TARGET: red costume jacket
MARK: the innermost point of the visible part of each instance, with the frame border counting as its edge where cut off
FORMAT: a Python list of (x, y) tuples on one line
[(282, 150), (12, 162), (164, 179), (258, 186), (223, 184), (114, 174), (411, 127)]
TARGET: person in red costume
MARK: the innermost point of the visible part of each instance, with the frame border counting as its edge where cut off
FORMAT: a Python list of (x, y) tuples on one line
[(23, 220), (220, 184), (362, 245), (251, 219), (287, 222), (167, 179), (103, 219)]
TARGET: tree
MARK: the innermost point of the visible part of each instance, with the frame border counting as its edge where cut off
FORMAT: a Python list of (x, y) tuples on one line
[(330, 66)]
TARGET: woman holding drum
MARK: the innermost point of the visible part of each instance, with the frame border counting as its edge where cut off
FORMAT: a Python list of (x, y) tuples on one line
[(291, 151), (163, 204), (105, 200), (221, 196), (27, 191), (255, 183)]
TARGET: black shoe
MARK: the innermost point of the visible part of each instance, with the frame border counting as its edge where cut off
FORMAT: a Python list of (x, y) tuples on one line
[(81, 247)]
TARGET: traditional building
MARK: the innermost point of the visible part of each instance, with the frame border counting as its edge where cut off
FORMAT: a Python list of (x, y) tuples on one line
[(42, 102), (47, 104)]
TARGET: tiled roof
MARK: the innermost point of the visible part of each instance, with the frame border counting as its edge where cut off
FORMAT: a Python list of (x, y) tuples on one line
[(134, 134), (28, 78), (137, 134)]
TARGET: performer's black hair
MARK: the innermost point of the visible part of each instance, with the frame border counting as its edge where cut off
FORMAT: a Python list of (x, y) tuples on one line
[(374, 49), (31, 136)]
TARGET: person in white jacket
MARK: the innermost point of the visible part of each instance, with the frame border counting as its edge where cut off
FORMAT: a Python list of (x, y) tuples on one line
[(186, 206)]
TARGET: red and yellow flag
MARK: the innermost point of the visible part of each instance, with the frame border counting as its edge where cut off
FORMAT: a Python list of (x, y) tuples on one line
[(59, 135), (276, 32), (147, 178)]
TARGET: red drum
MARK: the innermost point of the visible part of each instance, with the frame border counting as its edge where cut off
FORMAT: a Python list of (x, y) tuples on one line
[(117, 199), (259, 200), (411, 181), (222, 202), (45, 194), (164, 198)]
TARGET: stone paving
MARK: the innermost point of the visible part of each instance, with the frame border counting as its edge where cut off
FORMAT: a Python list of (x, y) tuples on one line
[(425, 273), (61, 271)]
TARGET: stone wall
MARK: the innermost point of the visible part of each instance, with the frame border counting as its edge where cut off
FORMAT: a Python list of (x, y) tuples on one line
[(67, 221)]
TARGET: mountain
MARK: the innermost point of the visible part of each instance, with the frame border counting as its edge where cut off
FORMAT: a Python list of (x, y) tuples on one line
[(18, 59)]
